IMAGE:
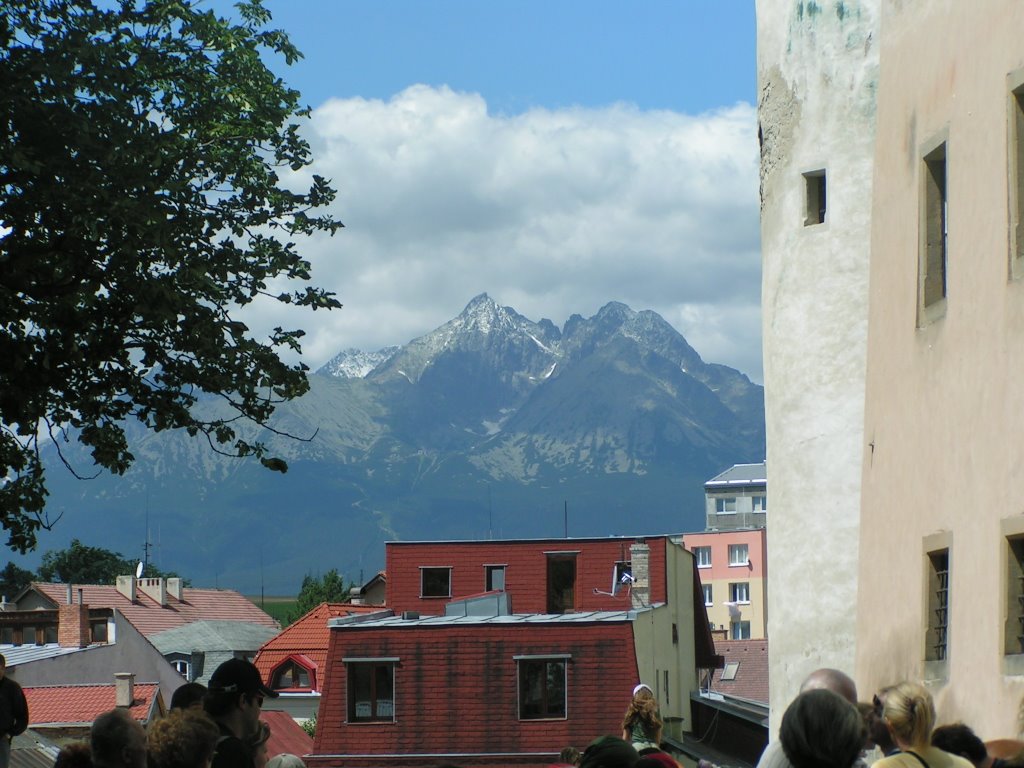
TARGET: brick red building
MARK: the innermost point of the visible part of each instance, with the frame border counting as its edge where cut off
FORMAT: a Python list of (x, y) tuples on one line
[(456, 676)]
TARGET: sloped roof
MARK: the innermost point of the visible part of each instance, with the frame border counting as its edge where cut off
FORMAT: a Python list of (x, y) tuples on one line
[(286, 736), (23, 654), (751, 681), (81, 704), (149, 617), (213, 636), (584, 617), (308, 636), (32, 750), (741, 474)]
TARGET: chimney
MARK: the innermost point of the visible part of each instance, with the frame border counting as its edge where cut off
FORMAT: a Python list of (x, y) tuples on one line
[(155, 588), (639, 557), (124, 689), (126, 586), (174, 588), (73, 630)]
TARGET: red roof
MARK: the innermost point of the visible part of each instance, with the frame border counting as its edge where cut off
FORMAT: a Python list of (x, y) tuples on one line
[(308, 636), (52, 704), (149, 617), (751, 681), (286, 736)]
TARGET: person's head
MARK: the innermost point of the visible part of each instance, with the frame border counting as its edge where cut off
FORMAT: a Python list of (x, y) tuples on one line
[(3, 666), (117, 741), (878, 731), (186, 738), (76, 755), (642, 692), (236, 694), (284, 760), (569, 756), (909, 712), (258, 745), (958, 739), (831, 680), (656, 758), (609, 752), (188, 696), (821, 729)]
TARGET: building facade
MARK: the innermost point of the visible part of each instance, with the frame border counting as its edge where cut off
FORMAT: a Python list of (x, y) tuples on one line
[(733, 568), (942, 530), (504, 652), (737, 498), (817, 79)]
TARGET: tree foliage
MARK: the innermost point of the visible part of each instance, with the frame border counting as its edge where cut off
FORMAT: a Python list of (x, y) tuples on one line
[(329, 588), (143, 145), (13, 579), (83, 564)]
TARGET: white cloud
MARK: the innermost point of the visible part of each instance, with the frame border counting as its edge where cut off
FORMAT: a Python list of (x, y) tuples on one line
[(550, 212)]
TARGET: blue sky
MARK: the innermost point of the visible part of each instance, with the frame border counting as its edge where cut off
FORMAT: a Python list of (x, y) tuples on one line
[(684, 55), (557, 155)]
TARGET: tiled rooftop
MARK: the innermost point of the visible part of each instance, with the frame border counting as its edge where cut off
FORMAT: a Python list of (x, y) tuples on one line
[(286, 736), (149, 617), (53, 704), (308, 636), (751, 680)]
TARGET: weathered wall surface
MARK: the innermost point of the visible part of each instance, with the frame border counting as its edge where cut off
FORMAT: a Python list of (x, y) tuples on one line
[(817, 74), (944, 411)]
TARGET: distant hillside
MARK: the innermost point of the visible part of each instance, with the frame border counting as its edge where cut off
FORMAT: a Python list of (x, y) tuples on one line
[(488, 425)]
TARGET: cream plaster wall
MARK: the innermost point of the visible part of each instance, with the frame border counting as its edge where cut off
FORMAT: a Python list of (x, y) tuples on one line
[(944, 409), (817, 74)]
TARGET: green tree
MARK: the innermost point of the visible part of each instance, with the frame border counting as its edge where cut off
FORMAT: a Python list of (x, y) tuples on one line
[(329, 588), (143, 145), (82, 564), (14, 579)]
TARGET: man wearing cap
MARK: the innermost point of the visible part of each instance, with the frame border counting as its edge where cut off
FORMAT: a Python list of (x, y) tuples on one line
[(234, 699)]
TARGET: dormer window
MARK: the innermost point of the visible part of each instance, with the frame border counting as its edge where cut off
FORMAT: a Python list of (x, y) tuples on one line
[(294, 673)]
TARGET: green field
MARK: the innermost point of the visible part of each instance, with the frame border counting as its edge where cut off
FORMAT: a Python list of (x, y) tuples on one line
[(281, 608)]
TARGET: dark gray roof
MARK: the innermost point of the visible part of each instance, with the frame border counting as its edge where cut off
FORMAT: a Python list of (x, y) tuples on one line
[(397, 622), (740, 474)]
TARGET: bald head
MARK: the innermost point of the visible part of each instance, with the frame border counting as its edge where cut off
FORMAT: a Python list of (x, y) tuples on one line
[(831, 680)]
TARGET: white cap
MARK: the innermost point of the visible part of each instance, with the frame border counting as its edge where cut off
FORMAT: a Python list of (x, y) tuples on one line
[(638, 686)]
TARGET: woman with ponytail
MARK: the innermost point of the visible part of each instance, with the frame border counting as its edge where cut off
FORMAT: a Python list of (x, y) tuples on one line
[(909, 714)]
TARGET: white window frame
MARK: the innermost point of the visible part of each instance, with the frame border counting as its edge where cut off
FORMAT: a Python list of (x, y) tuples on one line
[(723, 504), (736, 629), (739, 592), (697, 552), (709, 594), (760, 502), (735, 560)]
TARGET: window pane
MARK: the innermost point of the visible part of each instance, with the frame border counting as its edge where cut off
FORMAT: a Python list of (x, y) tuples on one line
[(495, 578), (371, 691), (541, 689), (436, 582)]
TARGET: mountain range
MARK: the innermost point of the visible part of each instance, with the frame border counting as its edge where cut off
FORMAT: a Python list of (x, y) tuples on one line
[(492, 425)]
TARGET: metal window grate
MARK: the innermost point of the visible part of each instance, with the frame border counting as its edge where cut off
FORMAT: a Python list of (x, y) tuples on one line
[(939, 604)]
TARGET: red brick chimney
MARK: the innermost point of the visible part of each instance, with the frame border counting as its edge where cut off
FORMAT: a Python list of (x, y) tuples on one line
[(73, 629)]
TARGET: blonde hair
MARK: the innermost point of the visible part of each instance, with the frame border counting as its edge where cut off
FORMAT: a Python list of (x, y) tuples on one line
[(910, 713)]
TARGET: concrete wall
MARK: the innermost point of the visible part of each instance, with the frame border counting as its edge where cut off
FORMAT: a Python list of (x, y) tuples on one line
[(97, 664), (817, 75), (944, 413)]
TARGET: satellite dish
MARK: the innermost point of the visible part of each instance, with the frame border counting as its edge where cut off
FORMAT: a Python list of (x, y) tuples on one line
[(138, 570)]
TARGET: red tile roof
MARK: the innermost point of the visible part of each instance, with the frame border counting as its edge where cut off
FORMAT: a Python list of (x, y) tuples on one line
[(149, 617), (752, 674), (308, 636), (51, 704), (286, 736)]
